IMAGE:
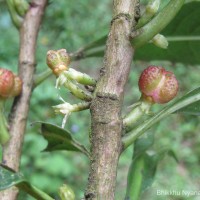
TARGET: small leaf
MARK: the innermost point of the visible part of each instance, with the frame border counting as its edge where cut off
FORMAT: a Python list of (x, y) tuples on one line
[(10, 178), (142, 144), (151, 163), (166, 151), (60, 139)]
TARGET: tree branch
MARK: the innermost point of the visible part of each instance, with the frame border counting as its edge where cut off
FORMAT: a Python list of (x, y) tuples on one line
[(18, 118), (106, 106)]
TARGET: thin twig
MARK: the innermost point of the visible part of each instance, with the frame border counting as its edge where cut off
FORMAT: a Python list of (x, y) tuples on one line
[(18, 117)]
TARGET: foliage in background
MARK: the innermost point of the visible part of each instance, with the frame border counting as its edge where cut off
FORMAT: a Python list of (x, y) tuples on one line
[(44, 168)]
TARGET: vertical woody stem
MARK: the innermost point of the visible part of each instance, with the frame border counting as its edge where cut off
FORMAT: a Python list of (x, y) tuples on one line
[(106, 106)]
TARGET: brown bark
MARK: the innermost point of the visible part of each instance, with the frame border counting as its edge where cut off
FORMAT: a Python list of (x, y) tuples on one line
[(106, 106), (18, 118)]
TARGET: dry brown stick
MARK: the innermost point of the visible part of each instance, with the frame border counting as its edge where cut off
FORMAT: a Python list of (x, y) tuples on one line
[(19, 113), (106, 106)]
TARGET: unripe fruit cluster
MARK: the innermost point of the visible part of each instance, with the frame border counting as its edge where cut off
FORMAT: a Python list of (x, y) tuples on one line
[(10, 84), (158, 85), (58, 61)]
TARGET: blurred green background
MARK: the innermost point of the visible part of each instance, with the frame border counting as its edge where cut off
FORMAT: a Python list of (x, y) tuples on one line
[(71, 25)]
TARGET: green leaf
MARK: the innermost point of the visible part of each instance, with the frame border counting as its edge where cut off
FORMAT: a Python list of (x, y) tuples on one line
[(183, 35), (149, 171), (151, 163), (135, 178), (10, 178), (142, 144), (142, 172), (193, 109), (166, 150), (60, 139), (176, 106)]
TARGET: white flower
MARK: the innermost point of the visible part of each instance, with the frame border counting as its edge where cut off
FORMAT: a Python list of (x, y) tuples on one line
[(160, 41), (65, 109), (60, 80)]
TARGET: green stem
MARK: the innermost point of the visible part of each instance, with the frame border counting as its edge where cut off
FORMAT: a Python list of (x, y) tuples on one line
[(183, 38), (39, 78), (16, 19), (81, 52), (158, 23), (128, 139), (81, 106), (135, 177), (71, 108), (96, 52), (34, 191), (151, 9), (140, 110), (143, 20), (82, 148), (21, 7), (81, 78), (78, 92), (4, 134)]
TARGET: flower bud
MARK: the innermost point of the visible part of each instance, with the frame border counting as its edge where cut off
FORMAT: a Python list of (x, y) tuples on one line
[(158, 85), (65, 192), (6, 82), (21, 6), (152, 7), (58, 61), (17, 88), (150, 11), (160, 41)]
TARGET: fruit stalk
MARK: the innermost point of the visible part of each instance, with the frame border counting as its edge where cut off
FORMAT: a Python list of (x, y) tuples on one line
[(81, 78), (141, 109)]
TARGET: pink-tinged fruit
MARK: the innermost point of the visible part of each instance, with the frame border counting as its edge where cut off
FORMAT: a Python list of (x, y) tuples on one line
[(158, 85), (6, 82), (58, 61)]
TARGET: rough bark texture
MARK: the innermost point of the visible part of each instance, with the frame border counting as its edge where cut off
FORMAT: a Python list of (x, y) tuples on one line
[(106, 106), (18, 118)]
